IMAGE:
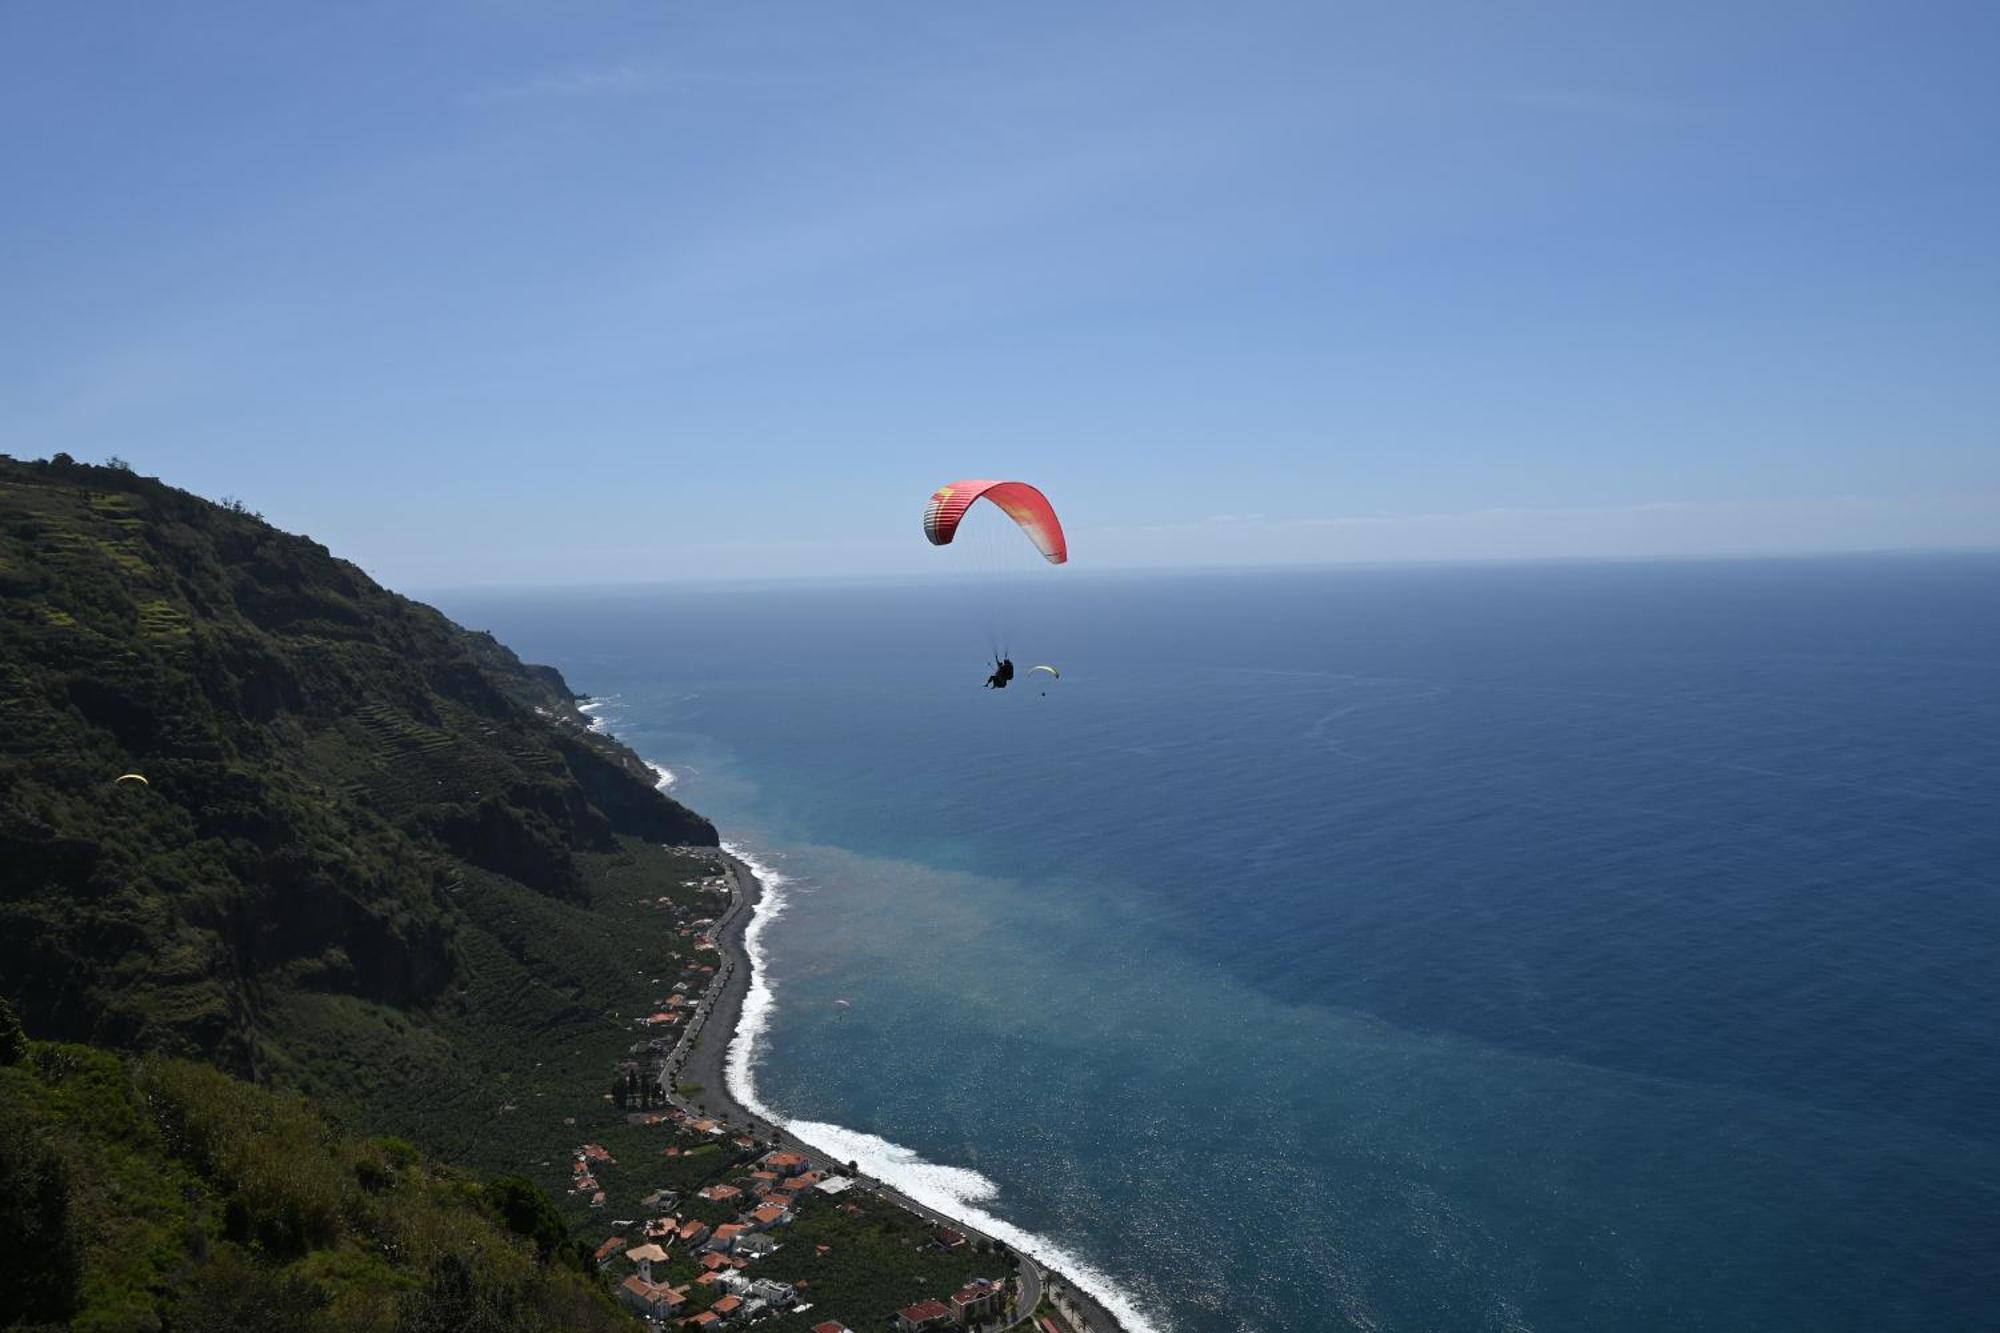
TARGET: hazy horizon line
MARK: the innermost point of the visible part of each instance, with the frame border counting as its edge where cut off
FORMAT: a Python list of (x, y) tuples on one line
[(753, 581)]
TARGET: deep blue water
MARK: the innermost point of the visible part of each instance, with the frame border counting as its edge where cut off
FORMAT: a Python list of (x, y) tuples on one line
[(1566, 947)]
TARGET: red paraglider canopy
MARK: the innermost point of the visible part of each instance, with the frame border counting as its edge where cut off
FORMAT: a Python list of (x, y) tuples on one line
[(1021, 502)]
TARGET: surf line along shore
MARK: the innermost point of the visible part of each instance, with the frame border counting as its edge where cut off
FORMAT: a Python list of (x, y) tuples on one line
[(701, 1059)]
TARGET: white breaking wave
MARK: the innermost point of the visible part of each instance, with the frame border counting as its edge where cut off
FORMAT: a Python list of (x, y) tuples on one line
[(591, 710), (758, 999), (664, 775), (955, 1191)]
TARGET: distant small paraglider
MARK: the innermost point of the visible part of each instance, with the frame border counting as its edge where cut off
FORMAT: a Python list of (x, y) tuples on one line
[(139, 778), (845, 1004)]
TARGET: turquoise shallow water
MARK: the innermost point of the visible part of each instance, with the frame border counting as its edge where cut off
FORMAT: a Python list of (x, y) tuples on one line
[(1556, 948)]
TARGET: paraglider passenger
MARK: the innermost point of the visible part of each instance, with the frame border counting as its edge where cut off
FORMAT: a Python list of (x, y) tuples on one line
[(1002, 673)]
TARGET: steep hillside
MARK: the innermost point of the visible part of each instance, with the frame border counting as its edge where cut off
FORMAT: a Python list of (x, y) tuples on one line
[(329, 770), (158, 1194)]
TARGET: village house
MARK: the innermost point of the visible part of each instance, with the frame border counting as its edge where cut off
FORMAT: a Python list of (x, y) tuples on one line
[(949, 1239), (924, 1315), (831, 1326), (644, 1257), (773, 1293), (651, 1299), (770, 1215), (608, 1252), (975, 1301), (721, 1193), (785, 1163), (726, 1237), (728, 1307), (757, 1245), (693, 1232)]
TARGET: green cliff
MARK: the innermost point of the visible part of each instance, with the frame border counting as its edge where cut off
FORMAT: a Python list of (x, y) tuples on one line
[(330, 769)]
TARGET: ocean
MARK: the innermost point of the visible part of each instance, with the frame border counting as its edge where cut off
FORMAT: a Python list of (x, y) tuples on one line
[(1536, 947)]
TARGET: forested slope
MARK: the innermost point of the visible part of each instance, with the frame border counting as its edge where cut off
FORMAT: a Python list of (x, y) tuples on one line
[(327, 767)]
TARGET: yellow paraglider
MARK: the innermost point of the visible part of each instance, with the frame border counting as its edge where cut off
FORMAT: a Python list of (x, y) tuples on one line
[(1051, 670), (134, 777)]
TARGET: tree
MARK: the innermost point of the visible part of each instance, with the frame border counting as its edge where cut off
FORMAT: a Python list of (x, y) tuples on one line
[(452, 1302), (529, 1212), (13, 1038), (230, 1294), (36, 1220)]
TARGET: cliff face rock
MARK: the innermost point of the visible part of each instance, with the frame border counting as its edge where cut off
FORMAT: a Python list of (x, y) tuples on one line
[(324, 760)]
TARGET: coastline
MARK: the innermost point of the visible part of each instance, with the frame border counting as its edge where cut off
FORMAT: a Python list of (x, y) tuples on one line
[(700, 1058)]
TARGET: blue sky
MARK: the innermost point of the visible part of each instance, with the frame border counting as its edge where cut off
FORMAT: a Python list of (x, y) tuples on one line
[(569, 292)]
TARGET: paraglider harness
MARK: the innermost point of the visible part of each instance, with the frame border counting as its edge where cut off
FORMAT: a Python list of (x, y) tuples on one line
[(1003, 671)]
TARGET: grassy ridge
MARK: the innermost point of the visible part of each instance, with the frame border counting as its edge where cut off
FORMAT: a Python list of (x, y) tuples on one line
[(154, 1193), (327, 765)]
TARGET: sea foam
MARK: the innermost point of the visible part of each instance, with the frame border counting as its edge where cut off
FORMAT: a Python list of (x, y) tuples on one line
[(601, 726), (954, 1191)]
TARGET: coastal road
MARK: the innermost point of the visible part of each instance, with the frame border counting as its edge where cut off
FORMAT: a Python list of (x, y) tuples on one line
[(704, 1062), (1030, 1294)]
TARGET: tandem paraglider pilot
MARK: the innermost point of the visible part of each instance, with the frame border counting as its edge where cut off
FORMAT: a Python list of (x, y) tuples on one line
[(1030, 514)]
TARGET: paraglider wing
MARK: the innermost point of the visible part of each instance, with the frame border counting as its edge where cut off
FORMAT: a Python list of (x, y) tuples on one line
[(133, 777), (1020, 501), (1051, 670)]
